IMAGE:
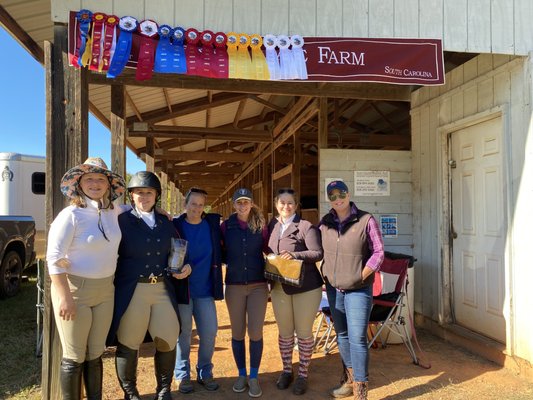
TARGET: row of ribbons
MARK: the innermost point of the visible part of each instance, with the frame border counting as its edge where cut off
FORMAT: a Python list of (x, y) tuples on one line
[(104, 44)]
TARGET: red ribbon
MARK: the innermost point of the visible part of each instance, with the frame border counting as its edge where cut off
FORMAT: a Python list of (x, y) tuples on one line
[(145, 62), (220, 65), (98, 28), (206, 53), (193, 56), (110, 27)]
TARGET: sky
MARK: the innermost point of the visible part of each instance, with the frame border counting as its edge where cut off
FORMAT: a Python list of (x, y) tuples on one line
[(22, 108)]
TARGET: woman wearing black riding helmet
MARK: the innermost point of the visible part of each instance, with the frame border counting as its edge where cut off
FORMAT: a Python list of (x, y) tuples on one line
[(145, 298)]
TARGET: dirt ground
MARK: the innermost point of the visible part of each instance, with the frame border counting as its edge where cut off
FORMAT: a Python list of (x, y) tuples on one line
[(454, 373)]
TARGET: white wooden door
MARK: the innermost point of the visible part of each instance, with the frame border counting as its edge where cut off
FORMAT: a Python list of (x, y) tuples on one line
[(479, 222)]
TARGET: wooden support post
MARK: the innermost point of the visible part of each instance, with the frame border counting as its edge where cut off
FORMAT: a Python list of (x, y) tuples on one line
[(296, 171), (67, 107), (165, 205), (118, 131), (322, 134), (149, 156)]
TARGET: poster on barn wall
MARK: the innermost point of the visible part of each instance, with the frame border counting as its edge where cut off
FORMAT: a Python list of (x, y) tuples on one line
[(109, 43)]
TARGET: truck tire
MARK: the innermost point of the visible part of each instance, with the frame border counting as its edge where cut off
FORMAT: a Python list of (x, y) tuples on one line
[(10, 274)]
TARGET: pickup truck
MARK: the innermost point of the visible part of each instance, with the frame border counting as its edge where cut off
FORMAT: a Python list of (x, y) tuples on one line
[(17, 237)]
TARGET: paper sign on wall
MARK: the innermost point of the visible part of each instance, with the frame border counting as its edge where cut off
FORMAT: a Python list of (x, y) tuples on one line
[(372, 183), (389, 225)]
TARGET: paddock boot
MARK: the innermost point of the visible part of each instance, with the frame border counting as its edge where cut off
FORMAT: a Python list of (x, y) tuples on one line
[(92, 378), (345, 389), (126, 366), (164, 371), (360, 390), (70, 377)]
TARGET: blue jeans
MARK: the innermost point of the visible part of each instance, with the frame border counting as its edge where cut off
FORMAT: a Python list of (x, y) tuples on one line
[(205, 317), (350, 311)]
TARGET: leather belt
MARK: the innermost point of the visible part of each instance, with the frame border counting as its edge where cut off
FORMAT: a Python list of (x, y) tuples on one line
[(152, 279)]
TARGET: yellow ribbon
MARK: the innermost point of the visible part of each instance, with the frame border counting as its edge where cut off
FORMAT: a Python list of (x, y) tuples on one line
[(232, 54), (244, 63), (259, 64)]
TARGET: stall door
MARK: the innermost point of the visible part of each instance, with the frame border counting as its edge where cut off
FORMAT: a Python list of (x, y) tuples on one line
[(479, 224)]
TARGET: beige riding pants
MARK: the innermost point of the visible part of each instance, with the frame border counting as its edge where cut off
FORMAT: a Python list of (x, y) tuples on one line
[(247, 307), (151, 310), (84, 337), (295, 312)]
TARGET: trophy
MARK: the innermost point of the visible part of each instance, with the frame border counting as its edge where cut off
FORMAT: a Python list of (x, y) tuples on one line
[(177, 255)]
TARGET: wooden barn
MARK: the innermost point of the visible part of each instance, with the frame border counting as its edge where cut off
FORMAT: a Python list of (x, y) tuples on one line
[(456, 158)]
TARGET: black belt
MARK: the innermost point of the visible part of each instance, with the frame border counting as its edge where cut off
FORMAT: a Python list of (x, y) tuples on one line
[(150, 279)]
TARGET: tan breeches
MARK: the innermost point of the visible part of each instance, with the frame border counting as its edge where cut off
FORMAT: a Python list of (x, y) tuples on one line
[(151, 310), (296, 312), (84, 337)]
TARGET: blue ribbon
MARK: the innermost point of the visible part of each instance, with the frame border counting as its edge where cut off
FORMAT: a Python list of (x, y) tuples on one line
[(179, 62), (84, 18), (164, 52), (122, 50)]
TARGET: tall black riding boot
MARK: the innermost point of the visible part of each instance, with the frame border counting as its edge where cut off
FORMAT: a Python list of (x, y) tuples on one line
[(70, 377), (92, 377), (164, 370), (126, 366)]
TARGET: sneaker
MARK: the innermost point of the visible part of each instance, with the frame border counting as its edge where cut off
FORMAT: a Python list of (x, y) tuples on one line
[(255, 389), (240, 384), (185, 386), (209, 383), (284, 380)]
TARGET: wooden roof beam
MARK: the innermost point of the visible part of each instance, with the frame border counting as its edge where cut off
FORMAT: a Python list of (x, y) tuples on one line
[(195, 133), (203, 156), (354, 90), (187, 107)]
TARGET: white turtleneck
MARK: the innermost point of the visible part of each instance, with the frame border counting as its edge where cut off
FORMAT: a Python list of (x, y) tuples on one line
[(74, 235), (148, 217), (285, 224)]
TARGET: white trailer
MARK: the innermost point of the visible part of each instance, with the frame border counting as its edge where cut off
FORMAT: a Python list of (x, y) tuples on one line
[(22, 189)]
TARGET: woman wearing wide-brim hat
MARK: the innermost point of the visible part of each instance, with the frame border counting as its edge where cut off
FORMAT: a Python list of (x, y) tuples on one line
[(82, 256)]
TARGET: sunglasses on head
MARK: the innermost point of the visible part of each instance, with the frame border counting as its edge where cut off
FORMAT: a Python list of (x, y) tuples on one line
[(196, 190), (333, 197), (286, 190)]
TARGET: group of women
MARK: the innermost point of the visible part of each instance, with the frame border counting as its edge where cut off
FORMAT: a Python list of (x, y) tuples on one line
[(110, 284)]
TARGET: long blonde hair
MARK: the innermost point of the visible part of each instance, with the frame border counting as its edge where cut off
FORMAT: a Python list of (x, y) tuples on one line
[(256, 220)]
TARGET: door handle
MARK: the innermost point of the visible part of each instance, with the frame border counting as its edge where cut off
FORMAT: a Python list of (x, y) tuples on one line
[(453, 234)]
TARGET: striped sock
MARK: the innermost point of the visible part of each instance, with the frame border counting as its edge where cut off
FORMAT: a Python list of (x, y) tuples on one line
[(286, 345), (305, 349)]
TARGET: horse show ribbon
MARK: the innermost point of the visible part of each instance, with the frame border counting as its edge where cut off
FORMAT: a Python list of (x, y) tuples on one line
[(244, 62), (298, 56), (192, 37), (219, 68), (145, 62), (206, 54), (163, 52), (286, 63), (259, 64), (97, 40), (270, 42), (231, 42), (123, 47), (84, 18), (110, 39), (180, 61)]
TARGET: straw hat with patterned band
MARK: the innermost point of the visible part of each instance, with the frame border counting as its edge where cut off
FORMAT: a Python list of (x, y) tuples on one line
[(71, 179)]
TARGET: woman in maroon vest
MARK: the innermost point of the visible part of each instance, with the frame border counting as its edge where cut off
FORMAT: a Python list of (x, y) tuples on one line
[(295, 307)]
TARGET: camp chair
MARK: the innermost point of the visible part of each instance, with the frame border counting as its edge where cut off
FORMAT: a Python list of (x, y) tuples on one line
[(324, 331), (389, 291)]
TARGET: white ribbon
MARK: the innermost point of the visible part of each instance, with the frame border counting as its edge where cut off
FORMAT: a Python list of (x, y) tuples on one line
[(286, 60), (299, 57), (270, 42)]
